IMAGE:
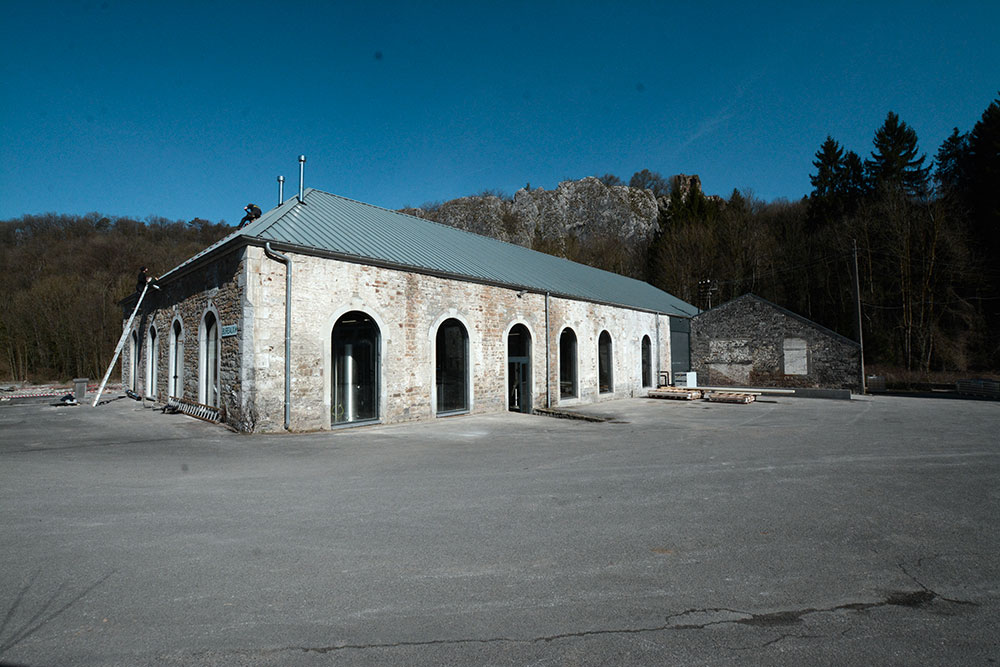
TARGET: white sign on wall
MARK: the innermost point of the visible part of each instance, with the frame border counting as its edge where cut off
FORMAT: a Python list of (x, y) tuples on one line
[(230, 330), (796, 356)]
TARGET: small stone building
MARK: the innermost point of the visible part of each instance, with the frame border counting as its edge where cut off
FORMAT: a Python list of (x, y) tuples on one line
[(392, 318), (751, 342)]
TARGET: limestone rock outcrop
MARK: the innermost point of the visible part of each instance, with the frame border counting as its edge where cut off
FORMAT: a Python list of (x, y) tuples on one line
[(586, 209)]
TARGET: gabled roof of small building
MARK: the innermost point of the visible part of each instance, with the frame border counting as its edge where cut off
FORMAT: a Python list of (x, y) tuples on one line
[(750, 296), (330, 225)]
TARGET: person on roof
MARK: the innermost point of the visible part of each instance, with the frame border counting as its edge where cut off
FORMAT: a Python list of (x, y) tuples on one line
[(143, 278), (253, 212)]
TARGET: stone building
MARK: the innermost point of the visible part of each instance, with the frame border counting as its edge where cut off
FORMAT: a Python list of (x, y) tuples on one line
[(392, 318), (751, 342)]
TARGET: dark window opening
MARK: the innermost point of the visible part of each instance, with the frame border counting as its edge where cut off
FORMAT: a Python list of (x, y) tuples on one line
[(452, 367), (647, 362), (605, 374), (567, 364), (519, 369)]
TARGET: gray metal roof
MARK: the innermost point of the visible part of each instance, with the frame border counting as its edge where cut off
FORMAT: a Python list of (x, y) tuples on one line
[(338, 226)]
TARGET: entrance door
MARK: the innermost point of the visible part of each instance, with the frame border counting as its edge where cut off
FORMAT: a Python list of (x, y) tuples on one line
[(355, 369), (519, 369)]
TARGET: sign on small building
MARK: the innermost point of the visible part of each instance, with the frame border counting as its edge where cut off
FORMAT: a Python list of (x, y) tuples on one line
[(230, 330), (796, 353)]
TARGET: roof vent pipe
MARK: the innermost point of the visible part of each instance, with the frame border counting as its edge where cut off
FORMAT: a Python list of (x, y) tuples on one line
[(302, 171), (281, 190)]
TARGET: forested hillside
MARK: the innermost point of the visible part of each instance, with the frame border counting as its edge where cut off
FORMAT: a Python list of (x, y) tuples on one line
[(63, 277), (925, 234)]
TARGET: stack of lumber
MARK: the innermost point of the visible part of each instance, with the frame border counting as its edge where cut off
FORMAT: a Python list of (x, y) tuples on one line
[(676, 393), (728, 397)]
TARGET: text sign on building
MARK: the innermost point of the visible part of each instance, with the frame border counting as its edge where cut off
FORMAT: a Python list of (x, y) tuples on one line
[(230, 330)]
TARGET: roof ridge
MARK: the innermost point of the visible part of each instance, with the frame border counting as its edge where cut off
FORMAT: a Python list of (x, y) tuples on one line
[(333, 223), (434, 222)]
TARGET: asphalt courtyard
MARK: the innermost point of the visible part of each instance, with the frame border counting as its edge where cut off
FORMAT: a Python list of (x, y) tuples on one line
[(786, 532)]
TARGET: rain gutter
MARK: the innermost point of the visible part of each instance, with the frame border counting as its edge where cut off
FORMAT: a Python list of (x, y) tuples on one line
[(287, 261)]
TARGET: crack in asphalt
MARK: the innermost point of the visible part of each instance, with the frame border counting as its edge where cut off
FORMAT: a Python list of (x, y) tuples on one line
[(772, 620), (930, 592)]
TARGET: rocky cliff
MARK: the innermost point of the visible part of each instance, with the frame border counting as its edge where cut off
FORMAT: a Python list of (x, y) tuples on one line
[(586, 220), (585, 210)]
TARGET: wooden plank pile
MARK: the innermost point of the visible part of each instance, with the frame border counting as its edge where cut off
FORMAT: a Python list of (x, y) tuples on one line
[(729, 397), (692, 394), (675, 393)]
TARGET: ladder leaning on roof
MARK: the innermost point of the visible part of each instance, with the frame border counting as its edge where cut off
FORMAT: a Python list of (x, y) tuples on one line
[(121, 342)]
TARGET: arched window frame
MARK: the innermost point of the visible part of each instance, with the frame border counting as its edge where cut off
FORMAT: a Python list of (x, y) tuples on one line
[(569, 360), (175, 363), (531, 360), (328, 361), (469, 347), (605, 363), (331, 365), (152, 358), (646, 361), (133, 360), (210, 366)]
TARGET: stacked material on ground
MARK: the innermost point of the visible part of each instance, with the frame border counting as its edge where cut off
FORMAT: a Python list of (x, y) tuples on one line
[(675, 393), (729, 397), (979, 387)]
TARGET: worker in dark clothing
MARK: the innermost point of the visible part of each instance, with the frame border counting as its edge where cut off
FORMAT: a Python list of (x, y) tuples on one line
[(143, 278), (253, 212)]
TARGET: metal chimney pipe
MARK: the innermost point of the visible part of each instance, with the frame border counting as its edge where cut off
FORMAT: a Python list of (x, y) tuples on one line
[(302, 170), (281, 190)]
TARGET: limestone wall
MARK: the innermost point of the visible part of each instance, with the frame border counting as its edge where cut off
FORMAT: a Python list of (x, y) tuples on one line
[(218, 288), (246, 292), (408, 309), (751, 342)]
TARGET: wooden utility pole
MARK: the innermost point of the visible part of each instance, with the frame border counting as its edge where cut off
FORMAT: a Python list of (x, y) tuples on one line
[(857, 292)]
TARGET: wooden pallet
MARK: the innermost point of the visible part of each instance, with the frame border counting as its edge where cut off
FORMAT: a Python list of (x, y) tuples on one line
[(675, 393), (729, 397), (199, 410)]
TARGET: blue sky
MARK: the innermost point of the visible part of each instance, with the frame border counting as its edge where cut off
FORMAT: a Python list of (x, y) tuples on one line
[(192, 109)]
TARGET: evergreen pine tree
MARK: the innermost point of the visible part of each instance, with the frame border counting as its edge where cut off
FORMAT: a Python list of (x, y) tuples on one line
[(951, 165), (838, 183), (829, 159), (894, 164)]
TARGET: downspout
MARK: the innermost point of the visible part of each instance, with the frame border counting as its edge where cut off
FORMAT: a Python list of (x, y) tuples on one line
[(548, 352), (659, 360), (287, 261)]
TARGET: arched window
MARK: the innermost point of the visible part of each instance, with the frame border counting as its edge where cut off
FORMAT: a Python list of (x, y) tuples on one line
[(356, 340), (133, 367), (567, 364), (452, 367), (647, 362), (175, 366), (152, 357), (208, 385), (519, 369), (605, 372)]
